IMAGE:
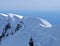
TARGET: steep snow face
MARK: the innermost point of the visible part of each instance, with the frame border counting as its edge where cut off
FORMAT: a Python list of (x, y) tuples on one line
[(9, 24), (17, 30), (3, 19)]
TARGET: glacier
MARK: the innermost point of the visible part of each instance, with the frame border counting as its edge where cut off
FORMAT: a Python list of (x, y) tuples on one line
[(17, 30)]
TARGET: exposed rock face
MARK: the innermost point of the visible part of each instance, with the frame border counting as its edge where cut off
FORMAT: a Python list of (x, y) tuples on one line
[(31, 43)]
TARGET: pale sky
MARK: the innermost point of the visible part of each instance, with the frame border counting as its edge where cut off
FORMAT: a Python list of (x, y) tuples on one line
[(29, 4)]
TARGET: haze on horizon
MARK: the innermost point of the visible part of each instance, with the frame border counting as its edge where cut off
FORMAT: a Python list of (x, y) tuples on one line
[(29, 4)]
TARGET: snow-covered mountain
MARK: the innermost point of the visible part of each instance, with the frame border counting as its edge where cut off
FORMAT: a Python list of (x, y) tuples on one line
[(17, 30)]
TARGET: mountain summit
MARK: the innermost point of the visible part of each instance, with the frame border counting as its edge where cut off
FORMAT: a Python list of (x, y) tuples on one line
[(17, 30)]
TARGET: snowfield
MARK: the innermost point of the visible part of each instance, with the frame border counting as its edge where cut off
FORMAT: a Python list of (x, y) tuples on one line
[(17, 30)]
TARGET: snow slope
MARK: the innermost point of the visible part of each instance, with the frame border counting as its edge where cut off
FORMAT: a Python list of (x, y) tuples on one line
[(17, 30)]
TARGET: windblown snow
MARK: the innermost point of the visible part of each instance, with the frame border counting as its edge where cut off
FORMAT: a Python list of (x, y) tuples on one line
[(45, 23), (19, 16), (3, 14), (17, 30)]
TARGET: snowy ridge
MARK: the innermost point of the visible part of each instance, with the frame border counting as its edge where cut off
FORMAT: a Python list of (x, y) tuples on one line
[(9, 25), (3, 14), (17, 30), (19, 16)]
